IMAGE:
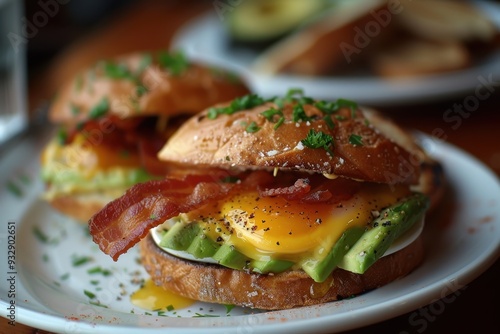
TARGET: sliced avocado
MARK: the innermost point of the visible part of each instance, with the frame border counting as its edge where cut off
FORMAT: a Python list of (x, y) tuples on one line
[(260, 21), (202, 247), (191, 239), (319, 270), (387, 227), (270, 266), (180, 236), (228, 256)]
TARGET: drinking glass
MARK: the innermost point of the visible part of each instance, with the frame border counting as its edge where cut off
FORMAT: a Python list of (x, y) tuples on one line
[(13, 113)]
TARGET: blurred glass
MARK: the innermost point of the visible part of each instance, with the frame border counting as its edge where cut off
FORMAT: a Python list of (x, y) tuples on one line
[(13, 113)]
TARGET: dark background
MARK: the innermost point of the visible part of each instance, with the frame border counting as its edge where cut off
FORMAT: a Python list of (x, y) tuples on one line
[(72, 21)]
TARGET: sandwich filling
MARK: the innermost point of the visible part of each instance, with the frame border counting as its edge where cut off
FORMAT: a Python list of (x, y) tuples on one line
[(77, 169), (267, 232)]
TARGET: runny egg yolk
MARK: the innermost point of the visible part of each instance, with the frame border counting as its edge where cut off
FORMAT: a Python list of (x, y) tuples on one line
[(263, 226), (155, 298)]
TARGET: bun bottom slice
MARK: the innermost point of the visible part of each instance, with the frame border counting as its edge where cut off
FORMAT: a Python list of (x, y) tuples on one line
[(216, 284)]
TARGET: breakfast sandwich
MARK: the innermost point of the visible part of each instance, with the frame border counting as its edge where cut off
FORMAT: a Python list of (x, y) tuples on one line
[(278, 203)]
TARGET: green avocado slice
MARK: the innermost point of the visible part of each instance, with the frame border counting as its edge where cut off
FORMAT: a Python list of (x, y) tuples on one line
[(356, 250), (387, 227)]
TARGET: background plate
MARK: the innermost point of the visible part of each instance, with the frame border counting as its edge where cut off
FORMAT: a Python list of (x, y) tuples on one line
[(205, 39)]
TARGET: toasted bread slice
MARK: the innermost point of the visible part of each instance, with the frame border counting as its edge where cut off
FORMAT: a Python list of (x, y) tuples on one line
[(216, 284)]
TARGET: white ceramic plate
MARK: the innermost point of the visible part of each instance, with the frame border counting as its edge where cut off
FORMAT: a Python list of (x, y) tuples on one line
[(49, 289), (205, 39)]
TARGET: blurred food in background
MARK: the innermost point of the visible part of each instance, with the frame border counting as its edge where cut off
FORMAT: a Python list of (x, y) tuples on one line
[(381, 37), (115, 116)]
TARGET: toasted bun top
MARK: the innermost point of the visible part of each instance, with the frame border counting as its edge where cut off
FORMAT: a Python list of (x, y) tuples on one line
[(365, 145), (142, 85)]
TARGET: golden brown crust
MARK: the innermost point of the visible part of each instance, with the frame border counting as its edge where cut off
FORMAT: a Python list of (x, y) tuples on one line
[(216, 284), (225, 142), (194, 89)]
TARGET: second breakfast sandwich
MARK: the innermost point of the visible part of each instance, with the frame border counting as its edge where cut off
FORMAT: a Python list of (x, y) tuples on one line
[(115, 116), (278, 203)]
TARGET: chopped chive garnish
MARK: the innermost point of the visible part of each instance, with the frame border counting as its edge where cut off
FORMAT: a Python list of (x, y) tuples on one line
[(117, 71), (318, 140), (170, 308), (100, 109), (270, 113), (279, 123), (327, 107), (99, 270), (25, 178), (175, 62), (294, 91), (80, 260), (238, 104), (89, 294), (252, 128), (199, 315), (355, 140), (329, 122), (61, 136), (347, 103), (299, 114), (40, 235), (229, 307), (14, 189), (97, 304), (140, 90)]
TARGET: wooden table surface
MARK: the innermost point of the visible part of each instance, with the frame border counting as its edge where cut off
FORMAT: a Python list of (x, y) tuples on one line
[(151, 25)]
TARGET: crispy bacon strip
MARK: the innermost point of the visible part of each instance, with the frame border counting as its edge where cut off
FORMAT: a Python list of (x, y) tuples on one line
[(128, 219), (314, 189), (298, 190), (125, 221)]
